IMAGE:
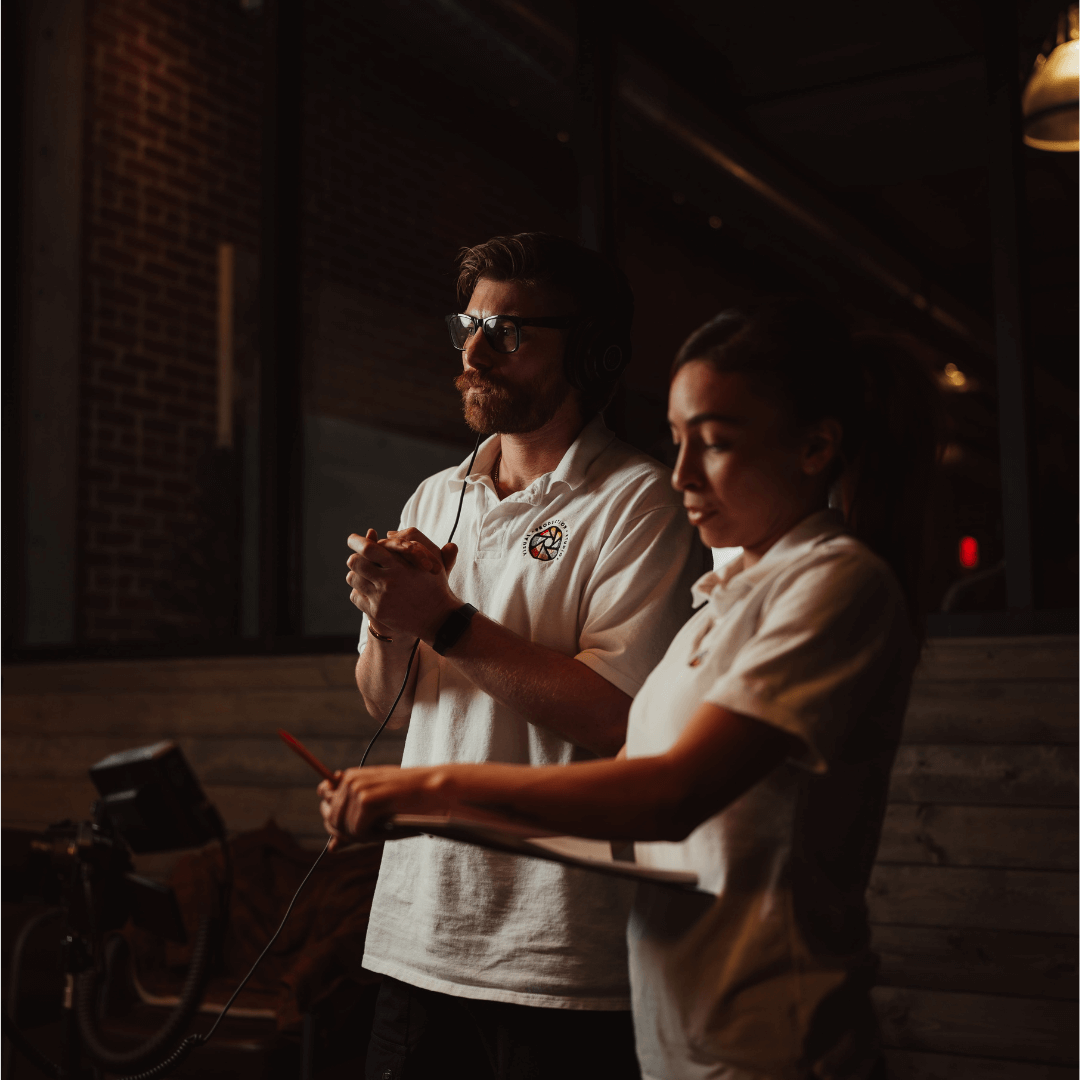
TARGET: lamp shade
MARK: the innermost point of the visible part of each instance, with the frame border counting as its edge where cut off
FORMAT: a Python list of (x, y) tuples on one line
[(1051, 96)]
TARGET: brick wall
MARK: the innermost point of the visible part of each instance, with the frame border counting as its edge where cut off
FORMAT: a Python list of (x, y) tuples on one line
[(397, 177), (171, 170), (405, 160)]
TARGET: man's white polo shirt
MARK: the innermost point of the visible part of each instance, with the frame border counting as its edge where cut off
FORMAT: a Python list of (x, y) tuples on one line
[(594, 560)]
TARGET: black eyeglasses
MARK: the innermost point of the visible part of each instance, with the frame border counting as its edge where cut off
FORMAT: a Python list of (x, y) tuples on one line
[(503, 332)]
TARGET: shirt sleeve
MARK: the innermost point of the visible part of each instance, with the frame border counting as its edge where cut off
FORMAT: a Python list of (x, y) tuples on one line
[(639, 596), (830, 638)]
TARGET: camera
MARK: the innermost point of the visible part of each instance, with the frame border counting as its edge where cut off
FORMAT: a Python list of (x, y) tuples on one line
[(150, 801)]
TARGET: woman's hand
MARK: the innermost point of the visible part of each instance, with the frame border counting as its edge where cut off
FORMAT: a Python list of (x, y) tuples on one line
[(353, 807)]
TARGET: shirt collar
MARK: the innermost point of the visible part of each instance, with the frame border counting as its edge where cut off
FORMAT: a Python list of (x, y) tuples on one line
[(818, 527), (572, 470), (594, 439), (485, 462)]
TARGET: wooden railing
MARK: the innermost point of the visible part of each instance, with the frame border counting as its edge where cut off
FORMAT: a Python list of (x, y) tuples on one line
[(973, 898)]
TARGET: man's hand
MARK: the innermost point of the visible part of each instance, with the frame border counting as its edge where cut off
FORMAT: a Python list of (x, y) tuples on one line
[(400, 583), (359, 799), (414, 540)]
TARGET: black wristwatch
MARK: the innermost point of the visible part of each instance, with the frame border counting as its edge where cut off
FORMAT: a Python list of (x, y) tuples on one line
[(452, 629)]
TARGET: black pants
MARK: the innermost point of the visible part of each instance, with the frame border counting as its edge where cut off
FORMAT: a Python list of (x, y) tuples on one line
[(424, 1035)]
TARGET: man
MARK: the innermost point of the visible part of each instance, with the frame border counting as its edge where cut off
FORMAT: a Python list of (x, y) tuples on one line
[(576, 554)]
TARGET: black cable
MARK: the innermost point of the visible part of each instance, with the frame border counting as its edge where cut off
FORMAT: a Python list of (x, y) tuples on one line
[(190, 995), (16, 1040), (390, 712), (189, 1044), (416, 643), (21, 942), (464, 485), (205, 946), (269, 944)]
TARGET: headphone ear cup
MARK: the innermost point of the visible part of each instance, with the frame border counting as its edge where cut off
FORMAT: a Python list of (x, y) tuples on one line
[(594, 355), (610, 362)]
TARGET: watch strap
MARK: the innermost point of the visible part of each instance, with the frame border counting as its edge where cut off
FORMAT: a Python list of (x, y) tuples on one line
[(453, 628)]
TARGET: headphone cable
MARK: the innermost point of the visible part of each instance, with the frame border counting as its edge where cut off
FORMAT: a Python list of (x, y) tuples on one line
[(416, 643), (189, 1044)]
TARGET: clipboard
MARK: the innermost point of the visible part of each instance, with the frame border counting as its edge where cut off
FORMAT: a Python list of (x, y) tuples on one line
[(498, 834), (594, 855)]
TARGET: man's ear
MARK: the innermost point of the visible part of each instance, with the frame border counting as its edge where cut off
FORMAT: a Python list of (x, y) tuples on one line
[(821, 446)]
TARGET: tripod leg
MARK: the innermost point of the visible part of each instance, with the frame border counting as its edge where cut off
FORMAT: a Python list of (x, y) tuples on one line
[(70, 1059)]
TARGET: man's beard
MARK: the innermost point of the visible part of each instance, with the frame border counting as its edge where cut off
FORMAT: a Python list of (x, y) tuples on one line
[(494, 408)]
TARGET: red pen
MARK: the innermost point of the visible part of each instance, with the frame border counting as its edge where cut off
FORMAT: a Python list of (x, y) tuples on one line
[(297, 747)]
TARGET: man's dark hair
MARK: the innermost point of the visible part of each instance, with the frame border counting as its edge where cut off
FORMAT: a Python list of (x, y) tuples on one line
[(596, 290), (594, 285)]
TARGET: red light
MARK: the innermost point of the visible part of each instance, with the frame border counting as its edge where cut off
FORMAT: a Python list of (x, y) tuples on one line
[(969, 552)]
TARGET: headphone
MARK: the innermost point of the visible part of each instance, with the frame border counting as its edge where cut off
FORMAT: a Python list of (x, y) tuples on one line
[(596, 354)]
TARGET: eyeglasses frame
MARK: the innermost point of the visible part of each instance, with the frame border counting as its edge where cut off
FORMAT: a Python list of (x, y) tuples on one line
[(558, 322)]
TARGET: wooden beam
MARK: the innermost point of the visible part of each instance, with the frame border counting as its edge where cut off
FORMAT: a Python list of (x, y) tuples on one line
[(1024, 1029), (992, 711), (997, 658), (1021, 837), (963, 898), (226, 291), (1023, 964), (985, 775), (919, 1065)]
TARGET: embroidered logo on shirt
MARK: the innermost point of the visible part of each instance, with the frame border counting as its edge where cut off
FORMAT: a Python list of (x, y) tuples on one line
[(548, 542)]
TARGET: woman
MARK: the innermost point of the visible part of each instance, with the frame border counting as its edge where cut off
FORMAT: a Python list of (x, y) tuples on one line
[(758, 752)]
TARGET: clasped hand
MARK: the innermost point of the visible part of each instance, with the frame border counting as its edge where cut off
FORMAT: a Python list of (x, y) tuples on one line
[(400, 582)]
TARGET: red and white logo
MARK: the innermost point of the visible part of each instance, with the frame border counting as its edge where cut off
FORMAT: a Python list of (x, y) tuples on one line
[(548, 542)]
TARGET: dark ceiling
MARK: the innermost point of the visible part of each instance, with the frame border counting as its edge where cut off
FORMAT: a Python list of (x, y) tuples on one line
[(838, 149), (877, 111)]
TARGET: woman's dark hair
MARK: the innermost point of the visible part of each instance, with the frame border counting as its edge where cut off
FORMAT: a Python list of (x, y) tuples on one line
[(804, 356), (595, 287)]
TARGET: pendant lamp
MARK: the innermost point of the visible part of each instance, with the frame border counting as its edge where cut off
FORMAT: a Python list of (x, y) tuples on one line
[(1050, 98)]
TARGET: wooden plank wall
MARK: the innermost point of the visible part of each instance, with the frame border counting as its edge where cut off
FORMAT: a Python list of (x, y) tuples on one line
[(973, 899), (58, 719)]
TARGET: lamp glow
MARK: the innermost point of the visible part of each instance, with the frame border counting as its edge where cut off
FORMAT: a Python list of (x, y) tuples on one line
[(954, 376), (1051, 96)]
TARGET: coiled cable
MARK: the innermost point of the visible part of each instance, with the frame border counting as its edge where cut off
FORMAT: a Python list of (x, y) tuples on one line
[(86, 984), (189, 1044)]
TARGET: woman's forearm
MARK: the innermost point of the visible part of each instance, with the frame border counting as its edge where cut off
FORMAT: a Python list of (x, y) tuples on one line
[(637, 799), (719, 755)]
